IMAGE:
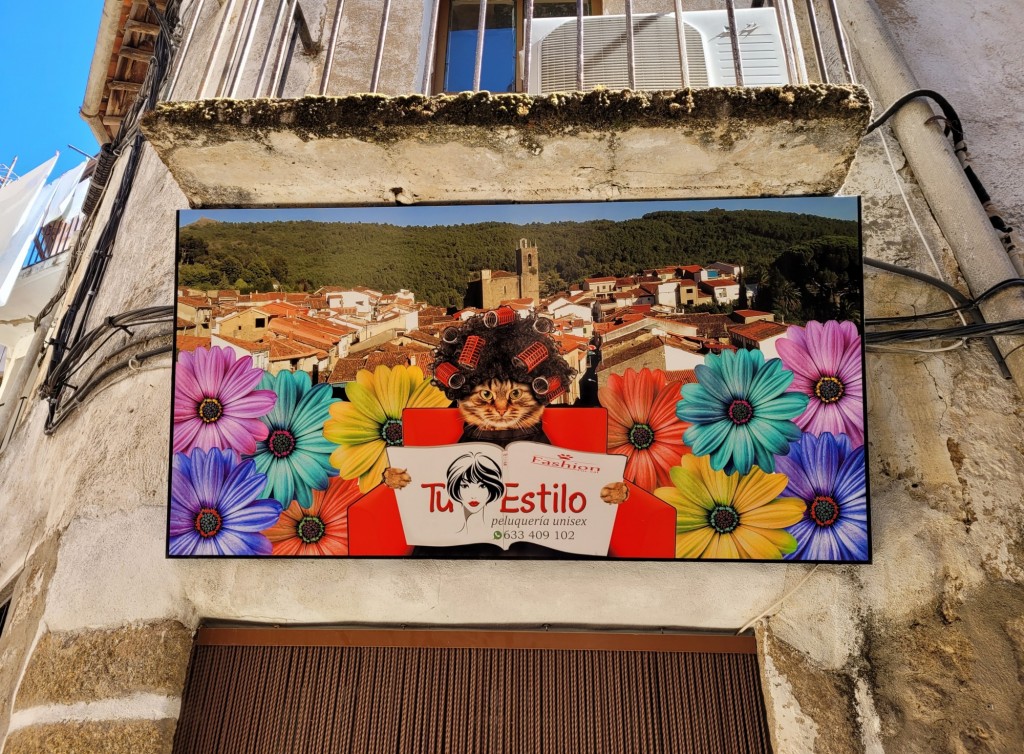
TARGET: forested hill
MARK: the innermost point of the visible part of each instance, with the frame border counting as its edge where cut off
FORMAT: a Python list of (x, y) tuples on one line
[(436, 261)]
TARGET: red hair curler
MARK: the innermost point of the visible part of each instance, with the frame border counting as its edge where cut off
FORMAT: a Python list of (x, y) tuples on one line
[(531, 357), (503, 315), (449, 375), (469, 356), (545, 385)]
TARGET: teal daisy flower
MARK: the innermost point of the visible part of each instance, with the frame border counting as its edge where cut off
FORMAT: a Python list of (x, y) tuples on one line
[(739, 411), (295, 456)]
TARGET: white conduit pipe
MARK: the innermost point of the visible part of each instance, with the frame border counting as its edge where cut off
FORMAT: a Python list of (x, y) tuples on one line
[(975, 244)]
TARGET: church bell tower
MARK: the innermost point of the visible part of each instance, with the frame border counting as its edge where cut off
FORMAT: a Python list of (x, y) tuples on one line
[(528, 270)]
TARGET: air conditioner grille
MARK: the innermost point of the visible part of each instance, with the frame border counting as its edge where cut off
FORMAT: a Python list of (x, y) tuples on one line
[(657, 55)]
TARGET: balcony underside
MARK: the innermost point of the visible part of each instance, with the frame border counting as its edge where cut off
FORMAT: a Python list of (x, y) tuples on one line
[(369, 149)]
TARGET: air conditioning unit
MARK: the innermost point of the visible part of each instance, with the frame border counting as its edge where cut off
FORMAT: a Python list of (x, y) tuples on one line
[(656, 51)]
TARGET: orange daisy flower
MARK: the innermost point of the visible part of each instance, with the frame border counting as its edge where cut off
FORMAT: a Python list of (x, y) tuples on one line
[(643, 426), (321, 529)]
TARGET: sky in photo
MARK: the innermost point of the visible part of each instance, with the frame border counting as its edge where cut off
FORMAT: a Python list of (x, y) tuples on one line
[(47, 51), (841, 207)]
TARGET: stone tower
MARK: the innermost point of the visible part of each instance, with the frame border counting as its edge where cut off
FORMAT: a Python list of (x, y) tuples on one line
[(528, 270)]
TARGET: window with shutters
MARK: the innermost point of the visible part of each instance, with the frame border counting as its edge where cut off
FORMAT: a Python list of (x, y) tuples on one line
[(502, 41)]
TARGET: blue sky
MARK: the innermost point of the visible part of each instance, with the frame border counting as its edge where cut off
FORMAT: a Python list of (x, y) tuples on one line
[(46, 55), (843, 207)]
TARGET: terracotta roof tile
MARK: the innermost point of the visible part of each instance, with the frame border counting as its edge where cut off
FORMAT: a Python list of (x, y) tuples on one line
[(252, 346), (685, 376), (195, 302), (190, 342), (759, 330)]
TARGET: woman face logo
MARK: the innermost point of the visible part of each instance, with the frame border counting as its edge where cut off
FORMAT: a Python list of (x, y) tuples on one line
[(472, 495), (474, 479)]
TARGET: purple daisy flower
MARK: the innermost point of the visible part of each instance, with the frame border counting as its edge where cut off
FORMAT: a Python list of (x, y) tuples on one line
[(829, 475), (215, 403), (826, 359), (214, 505)]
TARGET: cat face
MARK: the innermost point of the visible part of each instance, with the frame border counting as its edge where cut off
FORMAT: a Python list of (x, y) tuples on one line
[(501, 404)]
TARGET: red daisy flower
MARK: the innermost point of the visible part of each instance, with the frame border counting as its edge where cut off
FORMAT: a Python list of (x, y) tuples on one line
[(643, 426), (321, 529)]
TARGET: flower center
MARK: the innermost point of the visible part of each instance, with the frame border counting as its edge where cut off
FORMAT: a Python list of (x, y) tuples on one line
[(311, 529), (641, 436), (823, 510), (281, 443), (829, 389), (208, 522), (210, 410), (740, 411), (724, 519), (391, 432)]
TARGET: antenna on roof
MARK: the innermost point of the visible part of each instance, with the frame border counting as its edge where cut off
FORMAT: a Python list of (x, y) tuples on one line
[(82, 152), (9, 172)]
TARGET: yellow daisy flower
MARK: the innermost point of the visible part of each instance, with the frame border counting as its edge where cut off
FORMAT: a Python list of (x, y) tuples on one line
[(371, 419), (729, 516)]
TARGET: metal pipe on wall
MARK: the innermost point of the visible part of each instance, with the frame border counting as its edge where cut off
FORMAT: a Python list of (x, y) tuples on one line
[(787, 49), (184, 48), (246, 49), (278, 18), (812, 19), (379, 58), (481, 27), (236, 42), (684, 62), (844, 52), (964, 224), (527, 43), (579, 45), (215, 49), (278, 72), (734, 41), (798, 46), (630, 50), (428, 68)]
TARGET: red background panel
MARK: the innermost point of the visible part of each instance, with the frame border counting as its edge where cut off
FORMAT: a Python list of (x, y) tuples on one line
[(644, 527)]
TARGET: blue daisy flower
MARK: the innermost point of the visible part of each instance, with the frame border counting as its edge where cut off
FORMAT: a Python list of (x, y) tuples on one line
[(215, 508), (296, 456), (739, 411), (829, 475)]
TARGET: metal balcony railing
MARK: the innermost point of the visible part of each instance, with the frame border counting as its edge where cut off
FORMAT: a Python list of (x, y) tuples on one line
[(51, 240), (233, 71)]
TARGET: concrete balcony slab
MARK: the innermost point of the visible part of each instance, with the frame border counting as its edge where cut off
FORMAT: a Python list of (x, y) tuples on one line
[(369, 149)]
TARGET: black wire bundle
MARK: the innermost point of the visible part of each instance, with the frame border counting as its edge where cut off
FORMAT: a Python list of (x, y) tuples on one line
[(68, 374), (966, 307), (72, 346), (954, 128)]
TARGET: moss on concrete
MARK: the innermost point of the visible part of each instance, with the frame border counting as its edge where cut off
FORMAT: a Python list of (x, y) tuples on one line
[(378, 118), (134, 737), (826, 697), (949, 681), (86, 666), (28, 605)]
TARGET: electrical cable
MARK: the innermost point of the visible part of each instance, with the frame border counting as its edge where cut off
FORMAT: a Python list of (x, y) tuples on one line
[(954, 126), (778, 602), (72, 346)]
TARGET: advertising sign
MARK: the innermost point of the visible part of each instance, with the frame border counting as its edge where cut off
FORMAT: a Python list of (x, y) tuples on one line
[(624, 380)]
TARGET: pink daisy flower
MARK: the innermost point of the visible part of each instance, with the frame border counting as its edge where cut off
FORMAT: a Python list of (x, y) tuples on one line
[(215, 404), (826, 361)]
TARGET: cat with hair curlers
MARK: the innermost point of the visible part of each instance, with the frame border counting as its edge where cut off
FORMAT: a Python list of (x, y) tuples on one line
[(503, 391)]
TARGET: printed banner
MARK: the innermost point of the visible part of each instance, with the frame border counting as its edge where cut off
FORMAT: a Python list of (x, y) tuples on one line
[(642, 380)]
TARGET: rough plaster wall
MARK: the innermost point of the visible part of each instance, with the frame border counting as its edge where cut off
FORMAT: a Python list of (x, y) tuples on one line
[(970, 53), (357, 47), (931, 630)]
